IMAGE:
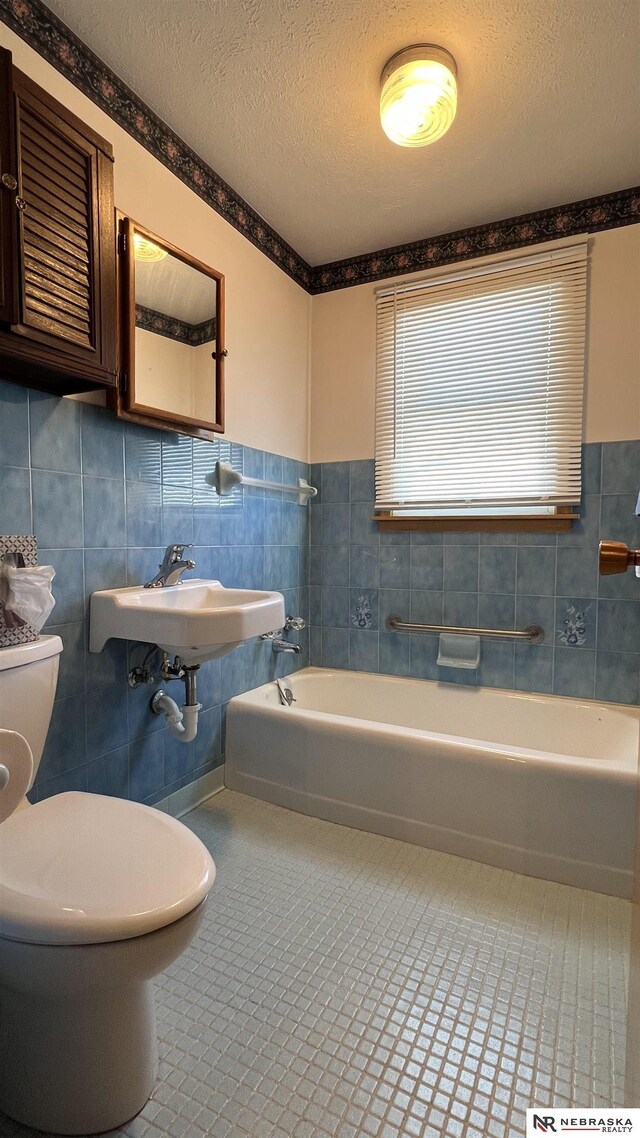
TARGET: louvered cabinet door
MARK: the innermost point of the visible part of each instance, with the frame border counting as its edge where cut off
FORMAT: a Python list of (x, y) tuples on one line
[(65, 243), (8, 188)]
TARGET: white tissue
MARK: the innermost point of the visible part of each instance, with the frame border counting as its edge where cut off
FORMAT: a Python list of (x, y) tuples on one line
[(29, 593)]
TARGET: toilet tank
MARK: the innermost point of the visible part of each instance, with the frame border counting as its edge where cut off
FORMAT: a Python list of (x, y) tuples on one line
[(28, 677)]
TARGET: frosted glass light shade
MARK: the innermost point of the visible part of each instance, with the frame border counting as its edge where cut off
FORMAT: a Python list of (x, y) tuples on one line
[(419, 95)]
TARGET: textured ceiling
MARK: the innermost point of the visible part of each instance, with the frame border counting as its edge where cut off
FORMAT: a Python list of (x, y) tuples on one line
[(280, 97), (175, 288)]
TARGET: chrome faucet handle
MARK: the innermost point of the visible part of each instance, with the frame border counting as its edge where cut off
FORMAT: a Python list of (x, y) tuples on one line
[(294, 624), (171, 567), (175, 553)]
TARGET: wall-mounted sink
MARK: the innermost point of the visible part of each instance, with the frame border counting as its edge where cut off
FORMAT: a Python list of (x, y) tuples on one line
[(196, 620)]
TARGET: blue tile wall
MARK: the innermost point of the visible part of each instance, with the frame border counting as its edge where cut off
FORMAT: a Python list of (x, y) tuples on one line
[(103, 499), (358, 577)]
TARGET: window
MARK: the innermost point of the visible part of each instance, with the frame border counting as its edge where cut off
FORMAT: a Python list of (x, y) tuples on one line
[(480, 390)]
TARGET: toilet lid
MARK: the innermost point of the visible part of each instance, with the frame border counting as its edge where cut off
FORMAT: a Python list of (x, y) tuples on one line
[(16, 771), (86, 869)]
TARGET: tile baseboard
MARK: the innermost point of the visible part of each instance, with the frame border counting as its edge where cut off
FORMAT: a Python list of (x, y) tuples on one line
[(194, 794)]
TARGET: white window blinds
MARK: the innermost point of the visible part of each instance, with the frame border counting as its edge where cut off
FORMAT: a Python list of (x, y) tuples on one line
[(480, 387)]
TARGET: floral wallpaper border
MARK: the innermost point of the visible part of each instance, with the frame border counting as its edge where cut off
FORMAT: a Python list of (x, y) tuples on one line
[(150, 320), (43, 31), (609, 211)]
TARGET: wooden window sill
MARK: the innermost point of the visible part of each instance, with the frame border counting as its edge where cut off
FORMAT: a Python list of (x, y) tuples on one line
[(559, 523)]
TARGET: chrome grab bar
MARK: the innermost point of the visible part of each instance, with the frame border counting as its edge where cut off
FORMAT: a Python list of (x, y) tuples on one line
[(533, 633)]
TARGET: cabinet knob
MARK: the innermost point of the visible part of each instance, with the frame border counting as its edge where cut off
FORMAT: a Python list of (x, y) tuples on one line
[(615, 557), (9, 182), (21, 204)]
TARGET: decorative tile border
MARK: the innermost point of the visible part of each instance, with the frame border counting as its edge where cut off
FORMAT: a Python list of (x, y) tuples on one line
[(609, 211), (52, 39), (174, 329)]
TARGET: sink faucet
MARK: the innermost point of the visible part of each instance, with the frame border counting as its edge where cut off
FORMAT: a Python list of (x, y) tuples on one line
[(171, 568)]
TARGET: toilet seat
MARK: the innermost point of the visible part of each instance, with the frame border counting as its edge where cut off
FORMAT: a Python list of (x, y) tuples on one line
[(87, 869), (16, 771)]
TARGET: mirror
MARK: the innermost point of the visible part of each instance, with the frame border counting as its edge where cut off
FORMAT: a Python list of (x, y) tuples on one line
[(172, 313)]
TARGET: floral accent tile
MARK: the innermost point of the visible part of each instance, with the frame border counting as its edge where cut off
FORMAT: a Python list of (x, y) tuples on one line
[(575, 626), (362, 616), (44, 32)]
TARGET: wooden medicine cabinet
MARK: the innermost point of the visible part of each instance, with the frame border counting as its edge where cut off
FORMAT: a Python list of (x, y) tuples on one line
[(57, 243)]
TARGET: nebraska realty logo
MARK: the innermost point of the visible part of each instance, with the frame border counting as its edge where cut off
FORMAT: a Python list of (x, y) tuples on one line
[(563, 1121)]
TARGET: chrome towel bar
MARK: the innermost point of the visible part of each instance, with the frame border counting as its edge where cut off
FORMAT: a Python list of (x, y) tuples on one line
[(533, 633)]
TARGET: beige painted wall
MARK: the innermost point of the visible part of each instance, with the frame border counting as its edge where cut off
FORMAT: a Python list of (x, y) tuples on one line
[(175, 376), (268, 315), (284, 344), (343, 355)]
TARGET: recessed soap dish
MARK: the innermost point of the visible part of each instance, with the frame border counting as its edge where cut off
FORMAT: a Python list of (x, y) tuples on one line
[(458, 651)]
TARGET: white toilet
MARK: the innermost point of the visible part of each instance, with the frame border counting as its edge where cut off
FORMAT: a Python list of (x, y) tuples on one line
[(97, 896)]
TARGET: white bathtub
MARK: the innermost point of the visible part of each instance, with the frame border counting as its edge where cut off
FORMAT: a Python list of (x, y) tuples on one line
[(536, 784)]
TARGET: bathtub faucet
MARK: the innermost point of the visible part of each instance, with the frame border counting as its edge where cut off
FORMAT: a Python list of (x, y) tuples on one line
[(280, 645), (292, 623)]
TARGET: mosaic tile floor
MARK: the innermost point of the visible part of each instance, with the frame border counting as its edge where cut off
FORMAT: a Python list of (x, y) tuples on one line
[(347, 985)]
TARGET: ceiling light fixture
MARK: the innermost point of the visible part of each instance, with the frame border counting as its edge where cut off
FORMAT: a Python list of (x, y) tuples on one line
[(145, 250), (419, 95)]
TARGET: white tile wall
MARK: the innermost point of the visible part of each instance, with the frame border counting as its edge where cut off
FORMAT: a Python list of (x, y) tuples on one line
[(348, 985)]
